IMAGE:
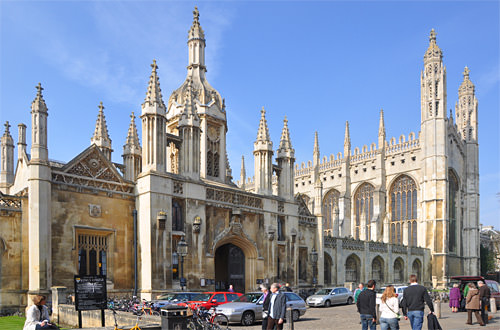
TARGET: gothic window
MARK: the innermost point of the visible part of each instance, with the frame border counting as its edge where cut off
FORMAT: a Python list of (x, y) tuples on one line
[(378, 270), (92, 253), (281, 229), (403, 196), (363, 211), (352, 269), (213, 151), (398, 271), (416, 268), (330, 207), (328, 269), (452, 210), (177, 223), (303, 264)]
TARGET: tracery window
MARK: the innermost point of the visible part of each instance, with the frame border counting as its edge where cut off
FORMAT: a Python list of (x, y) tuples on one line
[(378, 270), (364, 210), (174, 158), (403, 210), (330, 206), (452, 210), (177, 223), (352, 269), (92, 253), (398, 271), (213, 152)]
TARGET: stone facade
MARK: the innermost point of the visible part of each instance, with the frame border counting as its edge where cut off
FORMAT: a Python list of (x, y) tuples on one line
[(62, 219)]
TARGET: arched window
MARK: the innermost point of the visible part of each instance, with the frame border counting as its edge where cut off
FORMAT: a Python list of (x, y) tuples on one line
[(452, 210), (177, 223), (330, 210), (378, 270), (403, 196), (213, 151), (416, 269), (363, 210), (328, 269), (398, 271), (352, 269)]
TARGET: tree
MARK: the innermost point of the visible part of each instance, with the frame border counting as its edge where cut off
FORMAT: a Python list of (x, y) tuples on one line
[(487, 260)]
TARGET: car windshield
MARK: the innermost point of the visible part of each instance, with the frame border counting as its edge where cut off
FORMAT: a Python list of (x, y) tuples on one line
[(323, 292), (248, 297), (167, 297), (202, 297)]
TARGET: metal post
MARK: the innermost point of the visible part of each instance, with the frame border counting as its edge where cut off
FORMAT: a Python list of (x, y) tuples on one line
[(103, 321), (80, 319), (182, 273), (134, 214)]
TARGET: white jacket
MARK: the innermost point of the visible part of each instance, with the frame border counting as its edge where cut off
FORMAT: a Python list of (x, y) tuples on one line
[(385, 312), (33, 317)]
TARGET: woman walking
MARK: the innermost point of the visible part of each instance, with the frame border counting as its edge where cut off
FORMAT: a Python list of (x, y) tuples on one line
[(389, 310), (472, 304), (455, 298)]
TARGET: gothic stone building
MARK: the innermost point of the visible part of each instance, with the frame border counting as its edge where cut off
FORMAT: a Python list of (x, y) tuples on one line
[(384, 212)]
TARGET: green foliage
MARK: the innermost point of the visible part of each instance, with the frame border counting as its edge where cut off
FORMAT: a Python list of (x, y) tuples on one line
[(12, 322), (487, 260)]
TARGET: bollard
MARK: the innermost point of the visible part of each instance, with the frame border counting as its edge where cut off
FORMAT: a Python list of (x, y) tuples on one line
[(289, 319), (377, 312), (437, 308), (493, 305)]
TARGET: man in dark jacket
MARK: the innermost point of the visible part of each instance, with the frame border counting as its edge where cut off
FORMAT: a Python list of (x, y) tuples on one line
[(413, 304), (265, 306), (277, 308), (484, 298), (366, 307)]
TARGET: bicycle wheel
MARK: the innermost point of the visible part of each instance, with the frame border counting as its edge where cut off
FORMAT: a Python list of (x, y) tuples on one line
[(221, 320), (191, 325)]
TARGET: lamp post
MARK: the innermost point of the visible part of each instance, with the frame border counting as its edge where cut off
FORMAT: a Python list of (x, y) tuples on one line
[(314, 260), (182, 251)]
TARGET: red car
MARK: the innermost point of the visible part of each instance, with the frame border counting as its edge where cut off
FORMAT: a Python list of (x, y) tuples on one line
[(493, 285), (208, 300)]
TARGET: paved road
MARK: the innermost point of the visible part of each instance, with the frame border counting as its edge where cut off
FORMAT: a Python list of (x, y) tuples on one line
[(346, 317)]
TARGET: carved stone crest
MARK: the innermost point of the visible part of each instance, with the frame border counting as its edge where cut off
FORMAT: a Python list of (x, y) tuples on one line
[(94, 210)]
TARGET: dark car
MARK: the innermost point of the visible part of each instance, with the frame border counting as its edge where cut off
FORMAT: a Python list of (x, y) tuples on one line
[(493, 285)]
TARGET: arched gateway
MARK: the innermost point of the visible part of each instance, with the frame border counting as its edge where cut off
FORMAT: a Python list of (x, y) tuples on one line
[(230, 268)]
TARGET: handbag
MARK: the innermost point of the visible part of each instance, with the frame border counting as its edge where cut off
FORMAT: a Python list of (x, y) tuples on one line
[(398, 316)]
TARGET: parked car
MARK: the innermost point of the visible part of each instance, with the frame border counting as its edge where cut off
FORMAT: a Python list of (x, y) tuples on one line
[(398, 288), (208, 300), (173, 298), (330, 296), (248, 308), (493, 285)]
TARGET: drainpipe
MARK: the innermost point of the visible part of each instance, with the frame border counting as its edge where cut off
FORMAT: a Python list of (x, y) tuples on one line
[(134, 214)]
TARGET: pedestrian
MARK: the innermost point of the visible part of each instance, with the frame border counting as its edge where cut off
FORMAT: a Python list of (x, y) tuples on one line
[(415, 297), (455, 297), (366, 307), (265, 306), (288, 288), (389, 309), (472, 305), (231, 289), (277, 308), (360, 288), (37, 316), (484, 300)]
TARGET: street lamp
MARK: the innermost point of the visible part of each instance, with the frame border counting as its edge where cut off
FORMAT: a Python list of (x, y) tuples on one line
[(314, 260), (182, 251)]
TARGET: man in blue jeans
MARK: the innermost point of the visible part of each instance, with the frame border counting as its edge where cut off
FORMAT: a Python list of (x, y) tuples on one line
[(366, 307), (413, 304)]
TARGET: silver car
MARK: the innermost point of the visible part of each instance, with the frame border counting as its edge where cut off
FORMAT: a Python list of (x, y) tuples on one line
[(248, 308), (330, 296)]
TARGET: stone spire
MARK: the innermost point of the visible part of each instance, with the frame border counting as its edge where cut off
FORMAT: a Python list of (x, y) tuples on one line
[(132, 136), (285, 142), (38, 103), (466, 109), (286, 159), (243, 173), (433, 51), (7, 158), (39, 114), (153, 94), (347, 140), (101, 137), (316, 153), (381, 130), (263, 132), (188, 114), (229, 172), (132, 152)]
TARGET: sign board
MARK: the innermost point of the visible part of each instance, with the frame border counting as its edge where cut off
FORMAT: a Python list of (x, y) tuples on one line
[(90, 292)]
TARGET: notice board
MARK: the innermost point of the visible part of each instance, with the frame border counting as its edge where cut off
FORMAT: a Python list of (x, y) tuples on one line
[(90, 292)]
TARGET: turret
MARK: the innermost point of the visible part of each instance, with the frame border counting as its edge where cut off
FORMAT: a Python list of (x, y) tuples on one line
[(286, 160), (7, 157), (132, 152), (466, 109), (21, 143), (263, 156), (153, 126), (101, 136), (189, 131), (39, 113)]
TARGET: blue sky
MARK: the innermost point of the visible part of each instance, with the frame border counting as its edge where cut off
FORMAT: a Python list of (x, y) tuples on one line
[(319, 63)]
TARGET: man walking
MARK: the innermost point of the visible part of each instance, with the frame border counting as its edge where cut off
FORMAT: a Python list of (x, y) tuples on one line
[(484, 299), (366, 307), (265, 306), (413, 304), (277, 308), (360, 288)]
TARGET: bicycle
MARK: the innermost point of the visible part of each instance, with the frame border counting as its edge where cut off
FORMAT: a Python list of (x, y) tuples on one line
[(208, 320), (136, 326)]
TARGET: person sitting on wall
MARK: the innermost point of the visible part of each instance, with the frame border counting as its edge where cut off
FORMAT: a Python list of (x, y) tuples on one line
[(37, 316)]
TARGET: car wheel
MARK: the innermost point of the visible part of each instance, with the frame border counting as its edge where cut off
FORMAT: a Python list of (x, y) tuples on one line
[(328, 303), (248, 318), (295, 315), (349, 300)]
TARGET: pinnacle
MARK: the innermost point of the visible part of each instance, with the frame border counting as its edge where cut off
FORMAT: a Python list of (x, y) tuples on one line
[(466, 73), (432, 36), (381, 126), (316, 144), (7, 126), (39, 102), (263, 132), (153, 94), (347, 138), (132, 137), (196, 32), (285, 142), (101, 137)]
